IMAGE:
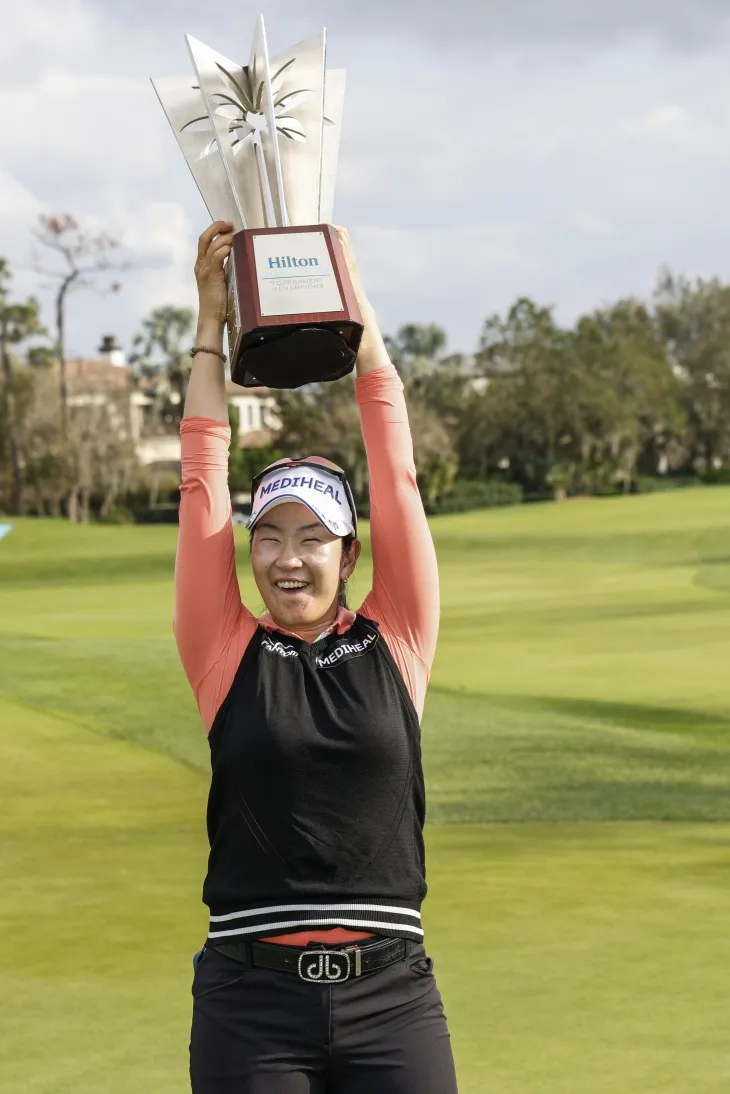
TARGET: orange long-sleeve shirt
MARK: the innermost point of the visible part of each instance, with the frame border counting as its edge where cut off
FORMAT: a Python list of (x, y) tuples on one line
[(212, 626)]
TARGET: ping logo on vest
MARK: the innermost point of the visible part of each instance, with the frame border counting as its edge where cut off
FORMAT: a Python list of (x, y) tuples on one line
[(277, 647), (343, 651)]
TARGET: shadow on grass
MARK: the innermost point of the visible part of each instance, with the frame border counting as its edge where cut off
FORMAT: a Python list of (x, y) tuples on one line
[(24, 574), (512, 758), (130, 689), (511, 619), (639, 716)]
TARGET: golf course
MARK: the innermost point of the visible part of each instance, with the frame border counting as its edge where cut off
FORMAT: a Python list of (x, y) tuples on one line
[(577, 753)]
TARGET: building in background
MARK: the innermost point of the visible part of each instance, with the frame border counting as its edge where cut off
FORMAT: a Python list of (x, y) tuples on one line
[(105, 382), (258, 418), (133, 405), (111, 353)]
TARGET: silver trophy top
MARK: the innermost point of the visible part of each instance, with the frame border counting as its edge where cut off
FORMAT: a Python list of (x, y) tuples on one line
[(261, 141)]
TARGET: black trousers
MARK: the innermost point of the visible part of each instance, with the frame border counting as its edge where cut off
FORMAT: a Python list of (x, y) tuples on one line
[(256, 1031)]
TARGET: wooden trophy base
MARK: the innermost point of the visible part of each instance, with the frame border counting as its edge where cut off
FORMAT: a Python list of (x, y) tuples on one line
[(293, 317)]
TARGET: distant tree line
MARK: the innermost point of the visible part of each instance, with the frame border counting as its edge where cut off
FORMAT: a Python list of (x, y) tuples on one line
[(630, 397)]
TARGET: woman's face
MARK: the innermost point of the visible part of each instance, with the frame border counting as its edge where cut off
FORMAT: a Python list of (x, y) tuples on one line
[(298, 565)]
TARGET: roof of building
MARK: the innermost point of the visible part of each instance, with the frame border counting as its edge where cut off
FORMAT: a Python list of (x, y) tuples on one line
[(256, 438), (83, 374)]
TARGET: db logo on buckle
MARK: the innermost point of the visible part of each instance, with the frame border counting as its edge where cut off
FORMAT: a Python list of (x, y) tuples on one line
[(324, 966)]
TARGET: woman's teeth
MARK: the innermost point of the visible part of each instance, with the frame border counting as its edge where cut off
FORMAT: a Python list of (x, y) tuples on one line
[(291, 584)]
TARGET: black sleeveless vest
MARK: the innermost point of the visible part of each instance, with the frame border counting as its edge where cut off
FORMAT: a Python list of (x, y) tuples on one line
[(316, 806)]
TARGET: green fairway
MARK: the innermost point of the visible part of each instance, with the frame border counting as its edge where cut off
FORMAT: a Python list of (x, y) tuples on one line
[(580, 678)]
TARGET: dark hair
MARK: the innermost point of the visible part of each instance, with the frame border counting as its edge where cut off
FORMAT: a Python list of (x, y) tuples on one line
[(347, 542)]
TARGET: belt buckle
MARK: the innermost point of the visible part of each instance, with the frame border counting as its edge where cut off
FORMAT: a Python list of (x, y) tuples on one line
[(324, 966)]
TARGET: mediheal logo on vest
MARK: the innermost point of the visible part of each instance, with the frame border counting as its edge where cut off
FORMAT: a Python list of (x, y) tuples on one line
[(345, 650)]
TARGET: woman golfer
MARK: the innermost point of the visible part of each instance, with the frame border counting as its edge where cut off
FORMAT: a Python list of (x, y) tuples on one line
[(313, 978)]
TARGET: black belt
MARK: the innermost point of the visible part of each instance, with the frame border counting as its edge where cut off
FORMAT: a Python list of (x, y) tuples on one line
[(318, 965)]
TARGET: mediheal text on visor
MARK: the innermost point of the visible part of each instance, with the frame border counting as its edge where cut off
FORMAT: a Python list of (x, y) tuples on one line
[(302, 480)]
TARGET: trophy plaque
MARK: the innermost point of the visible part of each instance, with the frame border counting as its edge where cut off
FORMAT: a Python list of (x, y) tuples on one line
[(261, 142)]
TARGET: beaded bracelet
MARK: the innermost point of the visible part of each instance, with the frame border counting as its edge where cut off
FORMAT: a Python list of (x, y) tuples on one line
[(208, 349)]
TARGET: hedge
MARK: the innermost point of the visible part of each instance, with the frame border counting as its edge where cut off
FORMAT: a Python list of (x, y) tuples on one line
[(476, 494)]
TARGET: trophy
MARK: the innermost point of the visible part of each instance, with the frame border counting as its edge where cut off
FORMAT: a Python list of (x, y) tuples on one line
[(261, 142)]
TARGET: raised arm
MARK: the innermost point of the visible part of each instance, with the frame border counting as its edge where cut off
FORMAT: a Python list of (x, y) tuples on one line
[(206, 395), (208, 607), (405, 593)]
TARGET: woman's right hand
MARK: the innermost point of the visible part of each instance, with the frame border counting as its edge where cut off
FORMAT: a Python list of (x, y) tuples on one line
[(214, 246)]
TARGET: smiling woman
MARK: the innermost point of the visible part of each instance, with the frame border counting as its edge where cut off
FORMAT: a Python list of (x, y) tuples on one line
[(307, 563), (312, 559), (313, 975)]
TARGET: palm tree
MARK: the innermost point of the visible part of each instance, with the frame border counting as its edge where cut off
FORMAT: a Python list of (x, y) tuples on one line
[(160, 353)]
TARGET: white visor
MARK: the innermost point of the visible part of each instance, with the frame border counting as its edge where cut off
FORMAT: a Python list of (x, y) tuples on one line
[(321, 492)]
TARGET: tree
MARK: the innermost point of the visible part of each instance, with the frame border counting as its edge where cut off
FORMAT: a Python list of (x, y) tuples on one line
[(46, 455), (101, 454), (433, 451), (631, 398), (161, 349), (84, 254), (244, 463), (525, 415), (694, 318), (415, 342), (571, 410), (18, 323), (325, 421), (444, 389)]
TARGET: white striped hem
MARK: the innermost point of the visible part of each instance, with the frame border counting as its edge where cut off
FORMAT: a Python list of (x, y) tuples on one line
[(276, 908), (265, 928)]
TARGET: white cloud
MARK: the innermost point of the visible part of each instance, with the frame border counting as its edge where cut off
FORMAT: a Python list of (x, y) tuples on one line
[(443, 257), (19, 206), (161, 234), (41, 28), (591, 223), (98, 125), (665, 118), (694, 137), (19, 212), (567, 174), (464, 25), (431, 273), (159, 246)]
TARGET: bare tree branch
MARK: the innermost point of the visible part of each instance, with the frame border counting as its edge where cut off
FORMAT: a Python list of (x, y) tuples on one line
[(85, 255)]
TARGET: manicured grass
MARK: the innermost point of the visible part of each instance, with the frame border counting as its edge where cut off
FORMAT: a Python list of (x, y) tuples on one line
[(102, 849), (572, 958), (581, 678), (600, 960), (581, 671), (624, 600)]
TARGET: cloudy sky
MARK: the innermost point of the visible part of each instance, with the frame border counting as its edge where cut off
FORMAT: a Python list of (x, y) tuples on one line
[(563, 149)]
